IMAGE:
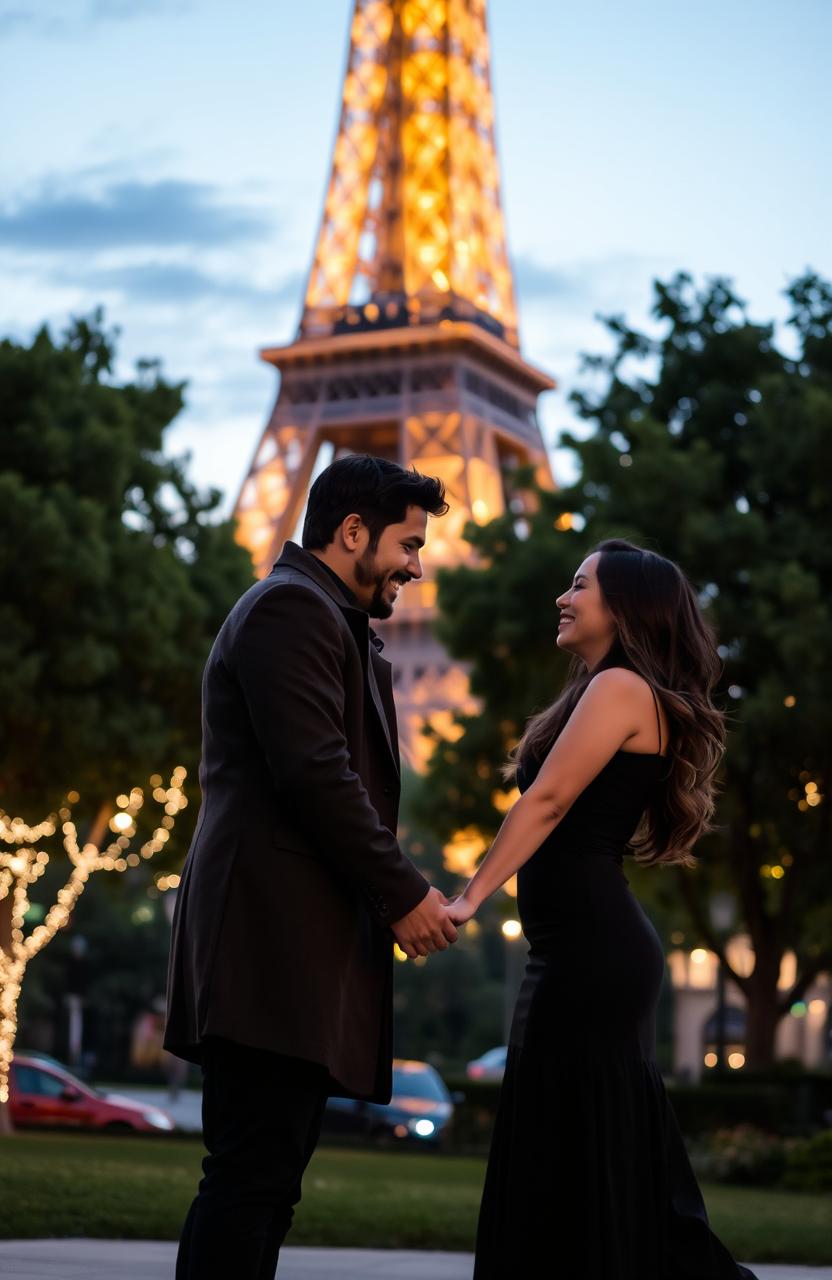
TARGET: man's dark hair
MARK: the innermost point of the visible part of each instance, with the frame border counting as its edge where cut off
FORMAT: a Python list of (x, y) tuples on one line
[(373, 488)]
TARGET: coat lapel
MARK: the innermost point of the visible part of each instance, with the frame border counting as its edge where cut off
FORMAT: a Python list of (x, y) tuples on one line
[(376, 668), (360, 627), (382, 678)]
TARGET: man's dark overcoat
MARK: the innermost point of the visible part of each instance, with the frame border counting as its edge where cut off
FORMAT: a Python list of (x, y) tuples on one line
[(281, 934)]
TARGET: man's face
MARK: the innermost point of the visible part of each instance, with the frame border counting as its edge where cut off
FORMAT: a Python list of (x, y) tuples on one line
[(381, 573)]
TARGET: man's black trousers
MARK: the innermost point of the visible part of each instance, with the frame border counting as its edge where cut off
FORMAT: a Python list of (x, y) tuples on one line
[(261, 1118)]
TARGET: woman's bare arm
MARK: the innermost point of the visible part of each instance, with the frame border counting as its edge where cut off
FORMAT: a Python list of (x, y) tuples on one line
[(610, 712)]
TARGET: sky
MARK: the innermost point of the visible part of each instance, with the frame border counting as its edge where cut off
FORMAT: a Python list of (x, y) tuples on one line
[(167, 160)]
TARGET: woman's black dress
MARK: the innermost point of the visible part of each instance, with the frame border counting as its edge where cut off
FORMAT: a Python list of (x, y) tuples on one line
[(588, 1177)]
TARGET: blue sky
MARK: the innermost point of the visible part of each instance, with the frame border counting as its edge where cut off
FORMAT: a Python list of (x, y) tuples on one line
[(168, 158)]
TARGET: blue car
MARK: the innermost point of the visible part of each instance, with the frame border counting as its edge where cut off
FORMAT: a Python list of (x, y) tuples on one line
[(419, 1113), (490, 1066)]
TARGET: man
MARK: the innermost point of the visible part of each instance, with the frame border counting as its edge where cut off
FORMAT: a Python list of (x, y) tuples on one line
[(294, 887)]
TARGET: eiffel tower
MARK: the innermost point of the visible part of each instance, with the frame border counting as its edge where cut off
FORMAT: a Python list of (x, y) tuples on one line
[(407, 346)]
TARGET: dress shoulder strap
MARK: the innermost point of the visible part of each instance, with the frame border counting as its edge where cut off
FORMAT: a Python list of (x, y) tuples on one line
[(658, 717)]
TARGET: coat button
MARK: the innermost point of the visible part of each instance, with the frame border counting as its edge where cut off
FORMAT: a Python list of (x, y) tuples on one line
[(388, 791)]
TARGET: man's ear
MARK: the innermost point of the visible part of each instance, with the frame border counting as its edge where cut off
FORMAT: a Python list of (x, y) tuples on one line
[(351, 530)]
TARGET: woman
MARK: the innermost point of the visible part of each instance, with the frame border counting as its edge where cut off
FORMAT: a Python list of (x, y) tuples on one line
[(588, 1177)]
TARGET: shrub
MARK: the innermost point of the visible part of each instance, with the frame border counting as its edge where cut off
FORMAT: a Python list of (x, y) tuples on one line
[(809, 1164), (741, 1155)]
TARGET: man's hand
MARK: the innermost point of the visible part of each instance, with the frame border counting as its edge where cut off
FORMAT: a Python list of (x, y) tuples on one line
[(425, 929)]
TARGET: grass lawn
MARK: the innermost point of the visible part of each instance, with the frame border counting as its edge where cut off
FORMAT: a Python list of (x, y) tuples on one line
[(133, 1188)]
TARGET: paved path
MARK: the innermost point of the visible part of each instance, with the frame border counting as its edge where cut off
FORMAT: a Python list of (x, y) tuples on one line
[(149, 1260)]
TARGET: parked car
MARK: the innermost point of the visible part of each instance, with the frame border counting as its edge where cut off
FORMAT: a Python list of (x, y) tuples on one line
[(44, 1057), (420, 1112), (44, 1094), (490, 1066)]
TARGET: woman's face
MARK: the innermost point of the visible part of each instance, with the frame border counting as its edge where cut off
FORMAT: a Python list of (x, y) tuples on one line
[(586, 626)]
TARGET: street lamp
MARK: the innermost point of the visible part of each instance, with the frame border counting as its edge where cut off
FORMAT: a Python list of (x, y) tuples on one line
[(722, 912), (74, 998), (515, 966)]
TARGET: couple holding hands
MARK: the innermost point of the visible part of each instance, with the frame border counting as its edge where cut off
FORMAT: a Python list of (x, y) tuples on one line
[(295, 888)]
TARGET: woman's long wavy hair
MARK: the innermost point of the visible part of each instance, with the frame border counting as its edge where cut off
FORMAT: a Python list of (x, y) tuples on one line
[(662, 635)]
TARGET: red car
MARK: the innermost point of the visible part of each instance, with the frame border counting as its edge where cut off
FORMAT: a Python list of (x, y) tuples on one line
[(44, 1094)]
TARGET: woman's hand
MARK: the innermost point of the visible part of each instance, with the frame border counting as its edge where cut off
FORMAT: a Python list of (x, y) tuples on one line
[(460, 909)]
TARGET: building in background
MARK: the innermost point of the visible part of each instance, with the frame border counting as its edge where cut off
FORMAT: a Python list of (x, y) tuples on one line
[(407, 346), (803, 1034)]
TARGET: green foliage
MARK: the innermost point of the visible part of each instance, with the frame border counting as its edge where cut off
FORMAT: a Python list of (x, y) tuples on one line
[(809, 1164), (713, 446), (743, 1155), (113, 577), (747, 1156)]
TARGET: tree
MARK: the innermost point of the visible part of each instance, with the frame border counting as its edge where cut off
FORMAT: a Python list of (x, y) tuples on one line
[(22, 864), (713, 447), (114, 575), (112, 960), (114, 578)]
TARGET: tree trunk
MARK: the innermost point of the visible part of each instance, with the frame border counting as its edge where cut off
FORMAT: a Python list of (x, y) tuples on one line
[(761, 1027), (12, 981), (6, 948), (6, 1125), (763, 1012), (98, 827)]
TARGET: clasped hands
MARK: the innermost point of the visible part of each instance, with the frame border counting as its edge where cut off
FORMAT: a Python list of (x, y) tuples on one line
[(431, 925)]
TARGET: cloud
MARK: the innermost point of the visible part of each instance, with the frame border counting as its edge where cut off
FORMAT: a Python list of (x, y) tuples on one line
[(536, 280), (12, 20), (175, 282), (126, 10), (169, 282), (49, 18), (165, 213), (581, 285), (148, 284)]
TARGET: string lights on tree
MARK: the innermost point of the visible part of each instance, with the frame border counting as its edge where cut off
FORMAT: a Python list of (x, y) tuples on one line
[(23, 862)]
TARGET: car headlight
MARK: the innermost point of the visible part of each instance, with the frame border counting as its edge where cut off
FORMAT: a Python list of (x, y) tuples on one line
[(158, 1119), (422, 1128)]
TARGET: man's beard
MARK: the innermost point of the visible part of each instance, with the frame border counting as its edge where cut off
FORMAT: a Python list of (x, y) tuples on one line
[(367, 575)]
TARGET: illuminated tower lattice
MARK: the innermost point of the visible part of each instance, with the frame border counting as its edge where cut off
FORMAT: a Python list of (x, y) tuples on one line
[(407, 346)]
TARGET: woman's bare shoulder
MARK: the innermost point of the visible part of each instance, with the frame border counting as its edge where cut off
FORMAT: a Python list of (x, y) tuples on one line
[(618, 680)]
